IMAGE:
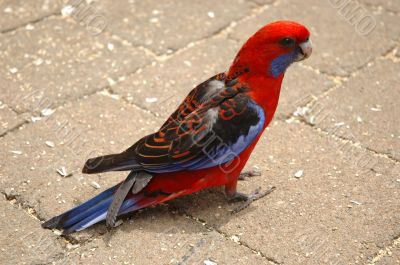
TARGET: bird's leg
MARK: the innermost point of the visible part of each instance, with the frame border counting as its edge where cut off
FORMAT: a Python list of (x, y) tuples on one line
[(250, 173), (230, 191), (234, 196)]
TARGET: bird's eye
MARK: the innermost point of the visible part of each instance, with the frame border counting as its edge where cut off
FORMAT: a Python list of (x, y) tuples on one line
[(287, 42)]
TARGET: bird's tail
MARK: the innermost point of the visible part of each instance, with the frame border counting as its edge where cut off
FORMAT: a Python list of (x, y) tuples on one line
[(114, 162), (95, 210)]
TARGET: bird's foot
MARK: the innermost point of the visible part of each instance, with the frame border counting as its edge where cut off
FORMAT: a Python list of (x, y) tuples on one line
[(248, 174), (247, 199)]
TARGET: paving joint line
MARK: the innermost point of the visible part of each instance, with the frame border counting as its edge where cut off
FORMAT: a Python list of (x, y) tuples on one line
[(222, 31), (30, 210), (15, 128), (384, 56), (162, 57), (131, 103), (383, 252), (390, 12), (340, 81), (31, 22), (333, 77), (372, 60), (344, 139), (226, 236), (83, 96), (285, 117), (55, 107)]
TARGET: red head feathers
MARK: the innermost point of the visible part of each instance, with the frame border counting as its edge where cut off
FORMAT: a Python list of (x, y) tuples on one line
[(264, 58), (272, 49)]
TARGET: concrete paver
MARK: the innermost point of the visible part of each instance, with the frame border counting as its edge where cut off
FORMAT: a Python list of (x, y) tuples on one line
[(166, 26), (299, 87), (8, 119), (391, 5), (23, 241), (59, 60), (391, 255), (264, 2), (14, 13), (371, 120)]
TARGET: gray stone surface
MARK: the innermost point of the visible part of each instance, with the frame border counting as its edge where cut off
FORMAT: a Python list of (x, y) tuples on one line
[(371, 120), (8, 119), (166, 26), (14, 13), (299, 87), (390, 5), (264, 2), (58, 60), (391, 257), (22, 240)]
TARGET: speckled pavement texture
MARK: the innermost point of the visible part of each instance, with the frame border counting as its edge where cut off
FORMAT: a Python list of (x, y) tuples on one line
[(82, 78)]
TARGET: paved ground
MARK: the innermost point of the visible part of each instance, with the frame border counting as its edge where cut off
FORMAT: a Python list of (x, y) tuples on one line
[(92, 79)]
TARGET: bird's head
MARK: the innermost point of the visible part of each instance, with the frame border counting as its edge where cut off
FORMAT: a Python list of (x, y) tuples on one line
[(272, 49)]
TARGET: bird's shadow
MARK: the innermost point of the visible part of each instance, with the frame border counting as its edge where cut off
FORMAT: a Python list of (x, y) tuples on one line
[(207, 206)]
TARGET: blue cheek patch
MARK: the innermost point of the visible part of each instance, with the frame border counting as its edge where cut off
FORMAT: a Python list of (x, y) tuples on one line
[(281, 63)]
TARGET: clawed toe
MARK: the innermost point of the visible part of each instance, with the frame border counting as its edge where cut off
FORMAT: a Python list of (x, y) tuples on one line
[(239, 197), (249, 174), (248, 199)]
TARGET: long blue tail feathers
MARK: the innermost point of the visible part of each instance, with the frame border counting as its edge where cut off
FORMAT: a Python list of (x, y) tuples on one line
[(90, 212)]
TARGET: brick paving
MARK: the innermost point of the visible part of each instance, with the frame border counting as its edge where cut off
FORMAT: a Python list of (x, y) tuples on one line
[(70, 90)]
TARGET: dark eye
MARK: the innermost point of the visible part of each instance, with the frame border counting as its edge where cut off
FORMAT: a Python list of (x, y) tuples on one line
[(287, 42)]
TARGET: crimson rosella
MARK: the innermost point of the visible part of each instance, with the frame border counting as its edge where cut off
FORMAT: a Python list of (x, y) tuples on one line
[(207, 141)]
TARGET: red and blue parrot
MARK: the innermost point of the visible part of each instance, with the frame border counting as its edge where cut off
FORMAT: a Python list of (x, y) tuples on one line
[(207, 141)]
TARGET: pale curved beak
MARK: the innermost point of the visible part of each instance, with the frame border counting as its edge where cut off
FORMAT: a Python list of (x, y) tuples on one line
[(305, 50)]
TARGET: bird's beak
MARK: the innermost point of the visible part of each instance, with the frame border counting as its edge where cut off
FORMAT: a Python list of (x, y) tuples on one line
[(305, 50)]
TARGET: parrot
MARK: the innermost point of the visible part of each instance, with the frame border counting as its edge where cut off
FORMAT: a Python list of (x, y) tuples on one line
[(206, 141)]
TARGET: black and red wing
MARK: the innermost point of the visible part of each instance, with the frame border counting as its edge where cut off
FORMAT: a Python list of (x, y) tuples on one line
[(214, 124)]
